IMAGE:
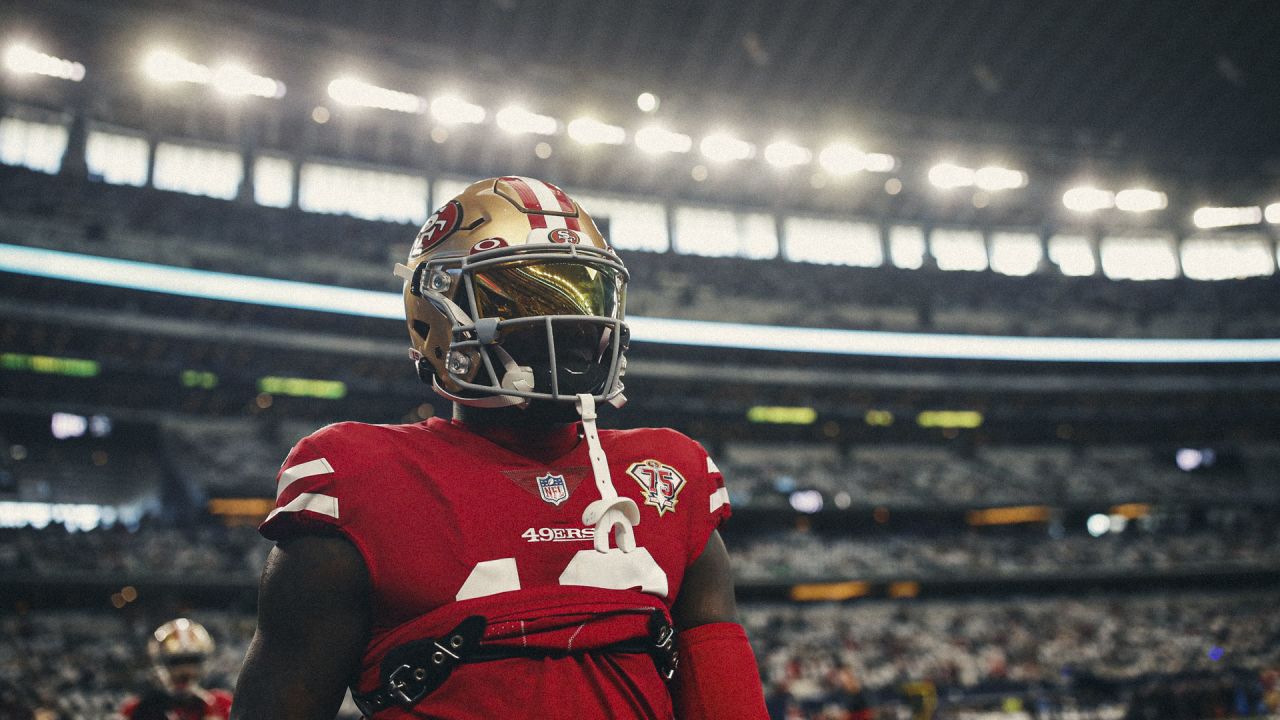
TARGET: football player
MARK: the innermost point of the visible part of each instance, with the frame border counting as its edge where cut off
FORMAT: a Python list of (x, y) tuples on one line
[(513, 562), (178, 651)]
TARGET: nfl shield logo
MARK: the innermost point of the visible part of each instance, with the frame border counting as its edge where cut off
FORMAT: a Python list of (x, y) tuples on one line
[(552, 488)]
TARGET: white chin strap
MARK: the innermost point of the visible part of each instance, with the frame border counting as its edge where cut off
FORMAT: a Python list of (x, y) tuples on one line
[(610, 514)]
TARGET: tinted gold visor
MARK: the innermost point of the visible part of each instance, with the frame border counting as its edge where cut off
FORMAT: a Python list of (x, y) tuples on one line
[(533, 288)]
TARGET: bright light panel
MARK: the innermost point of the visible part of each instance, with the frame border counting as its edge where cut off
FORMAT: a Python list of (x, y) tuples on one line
[(1139, 258), (832, 242), (367, 194), (631, 224), (198, 170), (842, 159), (590, 131), (1015, 253), (950, 175), (1227, 257), (654, 140), (1073, 254), (453, 110), (880, 162), (906, 246), (358, 93), (24, 60), (117, 159), (33, 145), (721, 233), (783, 154), (390, 305), (958, 249), (993, 178), (1272, 213), (723, 147), (167, 66), (273, 181), (517, 120), (234, 79), (1216, 217), (1139, 200), (1087, 198)]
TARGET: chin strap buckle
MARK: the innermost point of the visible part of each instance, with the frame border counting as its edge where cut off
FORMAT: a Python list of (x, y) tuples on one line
[(611, 514)]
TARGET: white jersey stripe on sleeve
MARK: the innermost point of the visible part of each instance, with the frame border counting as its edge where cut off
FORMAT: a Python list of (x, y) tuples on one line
[(718, 498), (711, 466), (315, 502), (311, 468)]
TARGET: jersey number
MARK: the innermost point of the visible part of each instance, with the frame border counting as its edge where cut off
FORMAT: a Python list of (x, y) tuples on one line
[(613, 570)]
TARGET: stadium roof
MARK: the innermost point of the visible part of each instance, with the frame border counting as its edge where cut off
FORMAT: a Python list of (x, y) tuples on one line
[(1160, 76)]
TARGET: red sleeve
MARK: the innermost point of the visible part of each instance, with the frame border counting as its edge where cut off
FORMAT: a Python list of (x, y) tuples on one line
[(709, 501), (128, 706), (308, 491)]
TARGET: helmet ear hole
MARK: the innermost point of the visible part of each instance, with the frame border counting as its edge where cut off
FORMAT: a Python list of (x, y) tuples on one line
[(422, 329), (425, 372)]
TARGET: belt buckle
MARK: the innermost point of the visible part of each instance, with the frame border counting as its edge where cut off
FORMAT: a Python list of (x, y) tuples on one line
[(397, 686)]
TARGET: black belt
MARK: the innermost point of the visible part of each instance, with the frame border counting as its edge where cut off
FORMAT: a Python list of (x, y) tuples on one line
[(412, 670)]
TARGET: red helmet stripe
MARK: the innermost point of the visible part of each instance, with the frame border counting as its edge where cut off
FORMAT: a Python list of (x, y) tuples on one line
[(526, 193), (530, 200), (566, 205)]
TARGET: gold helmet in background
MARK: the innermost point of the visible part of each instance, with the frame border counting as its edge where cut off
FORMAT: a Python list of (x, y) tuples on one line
[(512, 294), (178, 650)]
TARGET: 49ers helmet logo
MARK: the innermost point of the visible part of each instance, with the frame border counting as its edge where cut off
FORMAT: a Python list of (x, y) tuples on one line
[(564, 235), (439, 226)]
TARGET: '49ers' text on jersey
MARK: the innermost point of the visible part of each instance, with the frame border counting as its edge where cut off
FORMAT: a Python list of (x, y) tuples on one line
[(451, 525)]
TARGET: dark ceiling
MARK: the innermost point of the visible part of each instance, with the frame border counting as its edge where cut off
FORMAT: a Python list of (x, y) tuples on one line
[(1185, 95), (1151, 75)]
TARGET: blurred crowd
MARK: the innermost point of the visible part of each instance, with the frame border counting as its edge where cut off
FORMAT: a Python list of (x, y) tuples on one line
[(1168, 657), (799, 556), (934, 475), (1047, 653), (237, 554)]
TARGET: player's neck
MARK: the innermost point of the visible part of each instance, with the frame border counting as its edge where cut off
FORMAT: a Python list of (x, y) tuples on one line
[(539, 433)]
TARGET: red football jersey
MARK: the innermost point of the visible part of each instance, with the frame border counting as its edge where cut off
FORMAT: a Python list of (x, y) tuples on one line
[(451, 525), (206, 705)]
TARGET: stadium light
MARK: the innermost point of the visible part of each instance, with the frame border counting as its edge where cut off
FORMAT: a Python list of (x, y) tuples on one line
[(880, 162), (1272, 213), (841, 159), (167, 66), (355, 92), (517, 121), (1140, 200), (993, 178), (234, 79), (654, 140), (24, 60), (1216, 217), (272, 292), (723, 147), (949, 175), (453, 110), (1087, 198), (647, 102), (590, 131), (783, 154)]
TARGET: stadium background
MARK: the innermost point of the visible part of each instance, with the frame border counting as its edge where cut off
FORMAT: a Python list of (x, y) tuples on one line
[(940, 506)]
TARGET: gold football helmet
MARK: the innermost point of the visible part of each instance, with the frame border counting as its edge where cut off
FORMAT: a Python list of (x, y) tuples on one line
[(178, 650), (512, 294)]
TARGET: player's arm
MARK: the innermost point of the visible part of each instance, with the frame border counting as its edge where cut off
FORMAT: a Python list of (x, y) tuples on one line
[(717, 676), (313, 625)]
